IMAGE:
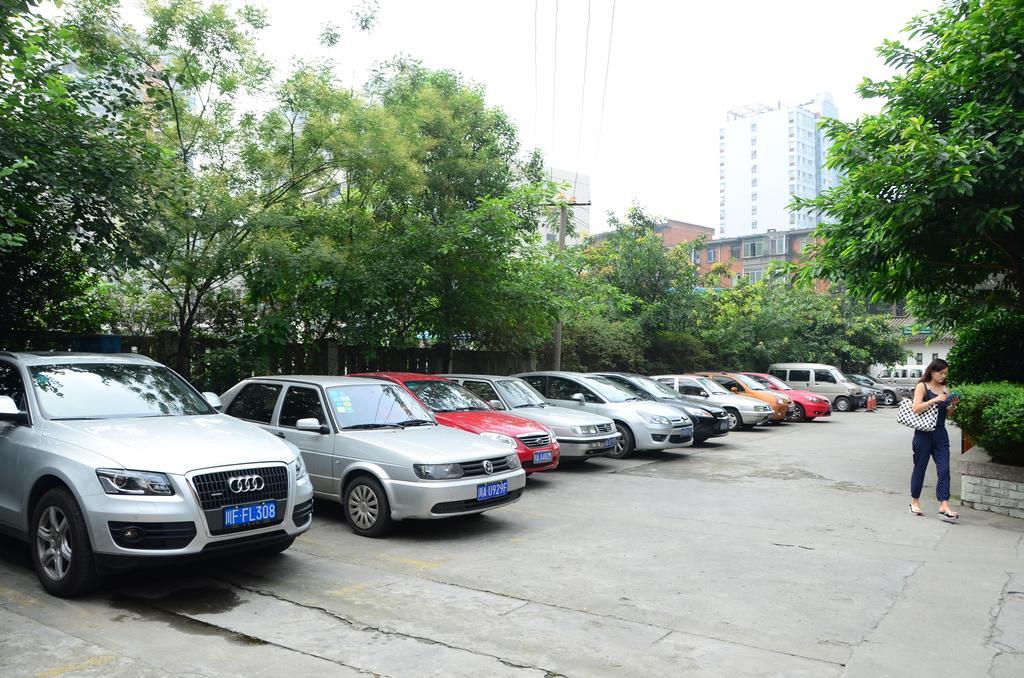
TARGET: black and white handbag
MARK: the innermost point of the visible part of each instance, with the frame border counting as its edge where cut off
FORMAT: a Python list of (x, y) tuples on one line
[(923, 421)]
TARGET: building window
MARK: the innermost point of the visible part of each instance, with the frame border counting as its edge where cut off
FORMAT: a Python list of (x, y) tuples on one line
[(721, 202), (753, 169), (792, 218), (753, 127), (753, 182), (935, 356), (753, 248), (753, 209), (920, 358), (792, 189), (753, 141), (695, 256), (753, 196), (777, 244), (721, 214), (753, 155), (755, 276), (753, 225), (711, 254)]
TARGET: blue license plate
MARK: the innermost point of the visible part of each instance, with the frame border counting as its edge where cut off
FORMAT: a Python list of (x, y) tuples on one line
[(491, 490), (249, 514), (608, 444), (541, 457)]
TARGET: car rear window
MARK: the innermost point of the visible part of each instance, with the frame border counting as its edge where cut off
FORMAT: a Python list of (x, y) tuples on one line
[(255, 402)]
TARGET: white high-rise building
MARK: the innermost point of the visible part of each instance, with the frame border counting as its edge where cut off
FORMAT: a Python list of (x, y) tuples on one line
[(767, 155)]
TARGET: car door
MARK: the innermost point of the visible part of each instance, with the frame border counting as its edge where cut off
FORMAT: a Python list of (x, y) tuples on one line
[(799, 379), (16, 441), (561, 390), (826, 382), (485, 391), (305, 402)]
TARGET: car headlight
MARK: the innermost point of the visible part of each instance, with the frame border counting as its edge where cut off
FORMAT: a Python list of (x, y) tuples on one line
[(780, 401), (121, 481), (655, 418), (507, 441), (300, 468), (761, 408), (812, 399), (584, 430), (438, 471), (513, 462)]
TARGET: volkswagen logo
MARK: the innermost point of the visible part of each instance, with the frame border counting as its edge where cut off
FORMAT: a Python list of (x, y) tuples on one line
[(488, 466), (240, 484)]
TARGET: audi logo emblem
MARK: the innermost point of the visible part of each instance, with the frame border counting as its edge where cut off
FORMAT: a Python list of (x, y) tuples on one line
[(488, 466), (240, 484)]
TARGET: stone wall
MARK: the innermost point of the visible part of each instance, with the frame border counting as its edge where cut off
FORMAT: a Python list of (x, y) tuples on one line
[(986, 486)]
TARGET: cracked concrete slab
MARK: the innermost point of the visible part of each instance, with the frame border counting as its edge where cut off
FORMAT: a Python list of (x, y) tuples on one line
[(781, 551)]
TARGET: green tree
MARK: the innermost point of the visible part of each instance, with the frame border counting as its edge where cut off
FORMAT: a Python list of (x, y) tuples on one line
[(75, 170), (929, 209)]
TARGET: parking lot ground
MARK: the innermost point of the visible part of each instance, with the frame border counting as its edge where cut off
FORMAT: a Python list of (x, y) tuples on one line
[(780, 551)]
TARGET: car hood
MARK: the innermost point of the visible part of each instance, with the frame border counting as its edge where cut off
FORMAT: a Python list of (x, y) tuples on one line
[(650, 407), (173, 444), (426, 445), (560, 417), (693, 409), (736, 400), (489, 421)]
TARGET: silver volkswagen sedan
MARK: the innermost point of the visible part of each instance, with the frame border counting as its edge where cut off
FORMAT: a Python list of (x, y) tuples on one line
[(581, 435), (371, 446)]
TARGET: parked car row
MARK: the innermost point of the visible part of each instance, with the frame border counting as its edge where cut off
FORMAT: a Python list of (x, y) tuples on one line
[(115, 461)]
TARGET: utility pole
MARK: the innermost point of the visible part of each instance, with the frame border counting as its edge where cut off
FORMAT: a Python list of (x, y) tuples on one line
[(556, 334)]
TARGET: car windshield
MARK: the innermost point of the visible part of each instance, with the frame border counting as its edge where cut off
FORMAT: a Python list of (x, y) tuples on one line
[(375, 406), (655, 388), (712, 386), (860, 379), (610, 390), (517, 393), (773, 382), (752, 384), (114, 391), (446, 396)]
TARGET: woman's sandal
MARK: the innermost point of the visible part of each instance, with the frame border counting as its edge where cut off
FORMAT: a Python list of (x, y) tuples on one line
[(916, 512), (952, 515)]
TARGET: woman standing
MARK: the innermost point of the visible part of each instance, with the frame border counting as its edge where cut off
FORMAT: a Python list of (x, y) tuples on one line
[(931, 391)]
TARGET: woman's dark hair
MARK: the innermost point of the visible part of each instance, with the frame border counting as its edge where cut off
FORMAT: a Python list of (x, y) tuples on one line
[(936, 365)]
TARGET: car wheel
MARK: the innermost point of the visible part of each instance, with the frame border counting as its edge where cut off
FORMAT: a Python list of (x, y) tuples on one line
[(735, 421), (624, 445), (366, 507), (841, 404), (797, 414), (888, 398), (61, 551)]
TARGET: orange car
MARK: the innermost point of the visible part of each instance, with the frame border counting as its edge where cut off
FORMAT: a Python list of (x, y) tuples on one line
[(747, 386)]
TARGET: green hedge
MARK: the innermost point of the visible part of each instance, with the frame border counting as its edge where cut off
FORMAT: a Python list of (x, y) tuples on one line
[(990, 349), (992, 415)]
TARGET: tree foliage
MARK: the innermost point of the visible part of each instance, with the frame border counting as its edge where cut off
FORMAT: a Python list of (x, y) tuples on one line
[(930, 206)]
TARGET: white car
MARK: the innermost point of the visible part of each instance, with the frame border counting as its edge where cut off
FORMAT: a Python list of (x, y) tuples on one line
[(114, 461), (371, 446)]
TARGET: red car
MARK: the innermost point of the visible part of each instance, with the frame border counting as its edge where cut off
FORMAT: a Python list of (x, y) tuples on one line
[(806, 405), (457, 407)]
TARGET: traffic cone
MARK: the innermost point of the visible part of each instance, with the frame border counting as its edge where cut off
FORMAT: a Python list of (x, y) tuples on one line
[(872, 403)]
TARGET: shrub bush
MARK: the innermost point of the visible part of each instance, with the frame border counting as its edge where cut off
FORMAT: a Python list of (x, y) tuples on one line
[(991, 349), (993, 416)]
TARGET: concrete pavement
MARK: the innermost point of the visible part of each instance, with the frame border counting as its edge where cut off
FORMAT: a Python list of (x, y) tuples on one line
[(781, 551)]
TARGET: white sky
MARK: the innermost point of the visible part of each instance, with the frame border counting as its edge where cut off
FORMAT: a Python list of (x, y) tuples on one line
[(676, 68)]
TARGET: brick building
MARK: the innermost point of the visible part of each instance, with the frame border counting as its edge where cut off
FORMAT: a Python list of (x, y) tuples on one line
[(748, 256)]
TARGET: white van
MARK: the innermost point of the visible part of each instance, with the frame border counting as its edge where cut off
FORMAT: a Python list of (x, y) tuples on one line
[(824, 379), (901, 375)]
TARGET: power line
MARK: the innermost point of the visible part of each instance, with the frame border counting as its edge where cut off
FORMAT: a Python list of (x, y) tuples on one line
[(554, 92), (604, 90), (583, 100), (536, 131)]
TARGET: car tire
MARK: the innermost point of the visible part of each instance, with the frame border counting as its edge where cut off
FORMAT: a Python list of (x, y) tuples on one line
[(798, 413), (366, 507), (59, 542), (889, 398), (735, 420), (842, 404), (624, 447)]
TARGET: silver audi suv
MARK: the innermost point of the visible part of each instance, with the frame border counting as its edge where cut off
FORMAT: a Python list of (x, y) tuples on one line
[(114, 461)]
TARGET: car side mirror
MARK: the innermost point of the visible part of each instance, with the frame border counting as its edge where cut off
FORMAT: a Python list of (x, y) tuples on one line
[(579, 398), (9, 411), (734, 389), (704, 394), (213, 400), (496, 404), (312, 425)]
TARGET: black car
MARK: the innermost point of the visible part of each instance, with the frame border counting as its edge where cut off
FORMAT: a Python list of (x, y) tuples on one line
[(709, 421)]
